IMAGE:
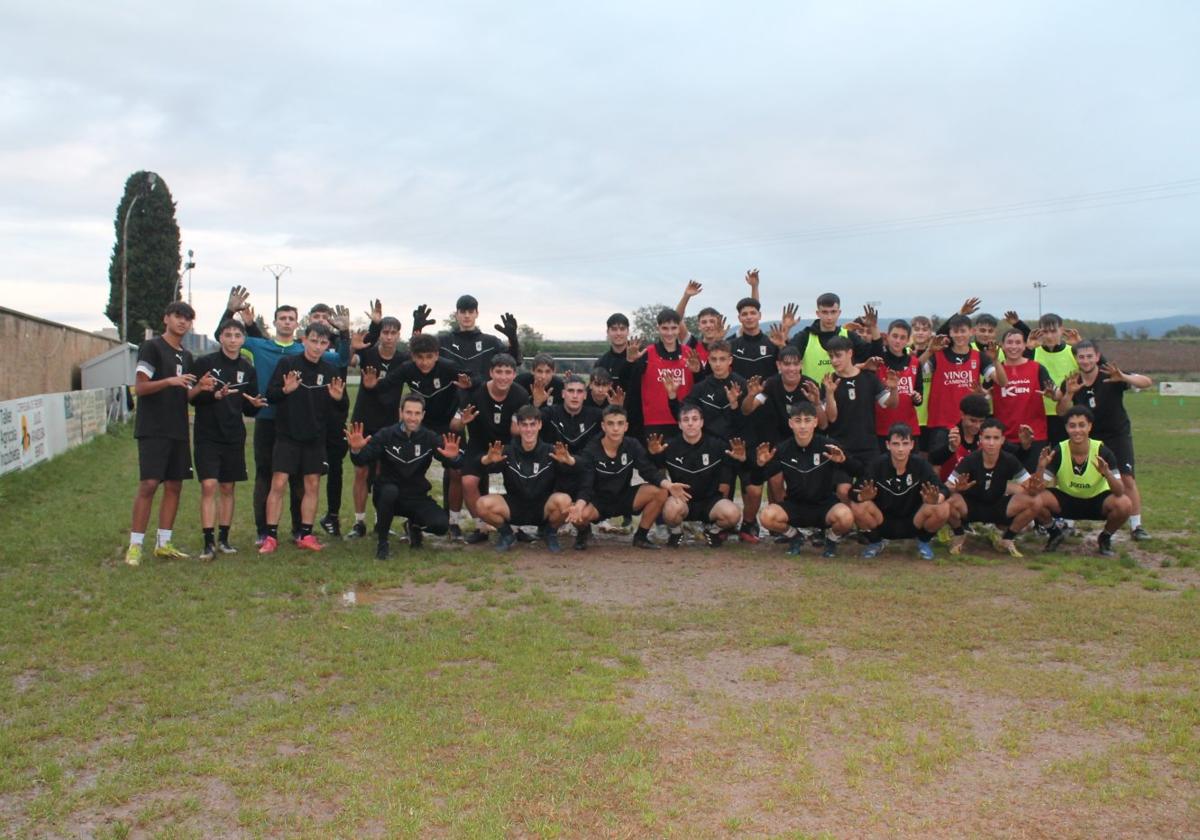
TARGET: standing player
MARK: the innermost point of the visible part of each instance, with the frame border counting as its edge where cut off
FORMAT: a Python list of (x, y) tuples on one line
[(899, 360), (308, 395), (469, 349), (902, 498), (807, 472), (488, 411), (375, 408), (606, 489), (338, 320), (1083, 483), (812, 340), (1101, 387), (164, 385), (221, 432), (990, 485), (532, 470), (665, 359), (955, 369), (404, 452), (1018, 403), (1053, 352), (858, 393), (703, 465)]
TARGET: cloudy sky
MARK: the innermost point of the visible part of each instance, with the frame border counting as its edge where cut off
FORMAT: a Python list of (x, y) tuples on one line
[(564, 163)]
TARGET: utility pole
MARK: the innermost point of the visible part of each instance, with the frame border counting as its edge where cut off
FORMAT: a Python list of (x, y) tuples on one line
[(277, 270), (1039, 285), (187, 267)]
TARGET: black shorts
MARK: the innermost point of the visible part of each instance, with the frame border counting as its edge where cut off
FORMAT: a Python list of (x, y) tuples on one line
[(807, 514), (749, 472), (995, 513), (298, 457), (622, 505), (525, 512), (699, 509), (1072, 507), (1122, 447), (226, 462), (900, 528), (163, 459)]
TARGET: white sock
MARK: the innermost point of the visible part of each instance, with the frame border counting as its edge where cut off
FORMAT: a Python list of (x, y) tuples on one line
[(162, 538), (136, 538), (360, 517), (455, 517), (1135, 521), (674, 529), (791, 533)]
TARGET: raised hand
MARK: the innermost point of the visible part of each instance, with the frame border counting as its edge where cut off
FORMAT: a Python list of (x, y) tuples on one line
[(1012, 317), (835, 453), (671, 387), (892, 381), (1074, 383), (722, 325), (692, 289), (539, 393), (754, 386), (374, 310), (337, 387), (255, 400), (238, 296), (764, 454), (468, 414), (870, 317), (737, 449), (450, 447), (970, 306), (873, 363), (868, 491), (679, 491), (291, 381), (930, 493), (421, 318), (248, 316), (1103, 466), (1025, 435), (1034, 484), (777, 335), (495, 453), (962, 483), (1072, 336), (616, 396), (811, 391), (341, 318), (1034, 339), (222, 392), (939, 342), (562, 454), (733, 393), (830, 381), (354, 437), (1111, 371), (358, 340), (993, 351), (633, 350), (654, 444), (370, 377), (788, 319), (692, 359), (1044, 459), (463, 380), (507, 327), (954, 439), (207, 382), (752, 278)]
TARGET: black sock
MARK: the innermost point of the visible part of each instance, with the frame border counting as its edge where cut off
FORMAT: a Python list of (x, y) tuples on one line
[(505, 530), (1008, 534), (208, 537), (875, 535), (305, 530), (223, 533), (1054, 530), (1106, 535), (273, 531), (923, 535), (959, 531), (641, 534)]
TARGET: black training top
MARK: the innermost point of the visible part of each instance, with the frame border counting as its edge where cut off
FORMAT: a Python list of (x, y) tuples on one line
[(721, 418), (553, 389), (702, 465), (306, 413), (404, 458), (220, 421), (604, 477), (163, 414), (1107, 401), (753, 355), (770, 419), (471, 351), (575, 430), (856, 398), (899, 495), (530, 476), (437, 387), (991, 485), (494, 420), (809, 476), (378, 407)]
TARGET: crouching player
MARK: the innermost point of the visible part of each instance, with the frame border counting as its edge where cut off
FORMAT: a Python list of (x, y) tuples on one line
[(900, 498), (405, 451), (806, 474), (606, 489), (704, 465), (532, 469), (990, 485), (1085, 485)]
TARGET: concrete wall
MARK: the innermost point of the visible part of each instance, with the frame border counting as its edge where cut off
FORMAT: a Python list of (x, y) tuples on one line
[(42, 357)]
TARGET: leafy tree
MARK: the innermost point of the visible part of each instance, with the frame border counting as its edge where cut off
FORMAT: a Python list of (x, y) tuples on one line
[(1183, 331), (644, 321), (531, 340), (154, 262)]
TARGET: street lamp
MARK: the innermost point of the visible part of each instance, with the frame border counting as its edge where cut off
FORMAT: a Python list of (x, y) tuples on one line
[(151, 180), (188, 266), (277, 270), (1039, 285)]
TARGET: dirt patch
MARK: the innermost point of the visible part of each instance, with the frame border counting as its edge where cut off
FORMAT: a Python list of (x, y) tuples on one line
[(415, 599), (209, 808)]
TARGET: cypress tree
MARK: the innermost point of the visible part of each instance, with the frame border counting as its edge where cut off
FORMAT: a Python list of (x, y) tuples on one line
[(154, 260)]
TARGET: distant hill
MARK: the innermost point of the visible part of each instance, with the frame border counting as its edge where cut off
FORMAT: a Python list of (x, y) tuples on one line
[(1156, 327)]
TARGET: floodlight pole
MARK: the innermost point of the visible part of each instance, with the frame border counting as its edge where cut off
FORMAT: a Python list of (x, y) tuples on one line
[(277, 270), (151, 180), (1039, 285)]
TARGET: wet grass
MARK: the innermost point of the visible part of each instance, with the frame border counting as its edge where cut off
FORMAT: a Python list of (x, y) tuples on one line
[(244, 697)]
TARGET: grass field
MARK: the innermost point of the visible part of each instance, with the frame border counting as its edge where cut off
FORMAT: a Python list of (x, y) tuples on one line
[(685, 694)]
